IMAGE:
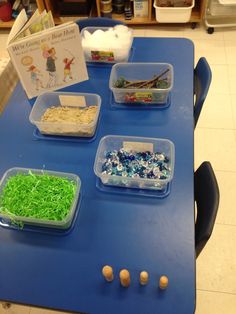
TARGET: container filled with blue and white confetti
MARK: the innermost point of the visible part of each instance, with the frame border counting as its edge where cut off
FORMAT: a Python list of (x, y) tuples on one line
[(135, 162)]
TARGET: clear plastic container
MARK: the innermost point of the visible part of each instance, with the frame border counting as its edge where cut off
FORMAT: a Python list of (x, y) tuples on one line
[(94, 51), (54, 99), (177, 14), (138, 144), (63, 224), (141, 71)]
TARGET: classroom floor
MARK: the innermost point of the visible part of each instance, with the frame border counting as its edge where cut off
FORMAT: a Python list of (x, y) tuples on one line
[(215, 140)]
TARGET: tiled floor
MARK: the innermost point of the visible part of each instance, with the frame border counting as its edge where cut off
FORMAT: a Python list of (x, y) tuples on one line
[(215, 140)]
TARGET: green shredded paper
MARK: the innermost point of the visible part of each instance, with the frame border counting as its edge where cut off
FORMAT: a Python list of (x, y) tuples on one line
[(44, 197)]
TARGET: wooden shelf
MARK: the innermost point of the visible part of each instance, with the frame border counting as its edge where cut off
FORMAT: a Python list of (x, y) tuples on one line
[(196, 16), (135, 20), (7, 24)]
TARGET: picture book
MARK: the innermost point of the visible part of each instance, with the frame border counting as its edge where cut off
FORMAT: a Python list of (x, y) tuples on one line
[(46, 57)]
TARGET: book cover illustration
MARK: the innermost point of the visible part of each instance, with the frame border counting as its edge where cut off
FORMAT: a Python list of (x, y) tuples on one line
[(50, 59)]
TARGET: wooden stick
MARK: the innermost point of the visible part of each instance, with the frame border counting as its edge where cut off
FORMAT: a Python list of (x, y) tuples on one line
[(155, 79), (141, 84)]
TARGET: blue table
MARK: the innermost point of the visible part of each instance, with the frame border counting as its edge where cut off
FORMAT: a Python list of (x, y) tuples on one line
[(121, 230)]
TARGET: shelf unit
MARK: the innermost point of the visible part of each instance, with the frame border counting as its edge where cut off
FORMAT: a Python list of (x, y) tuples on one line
[(220, 13), (9, 24), (196, 16), (51, 5)]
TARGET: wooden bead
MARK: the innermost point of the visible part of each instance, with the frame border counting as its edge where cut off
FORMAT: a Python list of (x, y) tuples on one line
[(163, 282), (124, 278), (143, 279), (107, 272)]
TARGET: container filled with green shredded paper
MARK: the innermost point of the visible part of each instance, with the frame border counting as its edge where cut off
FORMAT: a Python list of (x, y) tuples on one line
[(39, 197)]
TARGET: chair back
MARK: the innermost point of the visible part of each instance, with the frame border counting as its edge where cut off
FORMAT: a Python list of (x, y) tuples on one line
[(98, 22), (202, 82), (206, 193)]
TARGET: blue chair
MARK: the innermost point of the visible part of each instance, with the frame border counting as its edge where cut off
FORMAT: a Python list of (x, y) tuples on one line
[(202, 82), (207, 195), (98, 22)]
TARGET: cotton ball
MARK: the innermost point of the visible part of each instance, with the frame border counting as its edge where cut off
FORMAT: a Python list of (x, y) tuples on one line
[(110, 31), (83, 42), (86, 48), (130, 33), (109, 35), (125, 44), (106, 44), (108, 39), (93, 43), (124, 37), (87, 53), (98, 34), (123, 32), (121, 51), (116, 44), (86, 39), (87, 34), (121, 55), (121, 28)]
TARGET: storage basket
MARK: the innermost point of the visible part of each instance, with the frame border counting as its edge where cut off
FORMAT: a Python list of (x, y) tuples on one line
[(173, 14), (220, 8)]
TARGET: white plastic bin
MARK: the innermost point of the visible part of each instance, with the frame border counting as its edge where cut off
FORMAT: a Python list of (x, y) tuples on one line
[(166, 14), (54, 99), (228, 2), (141, 71), (131, 144), (107, 44), (221, 8), (60, 224)]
